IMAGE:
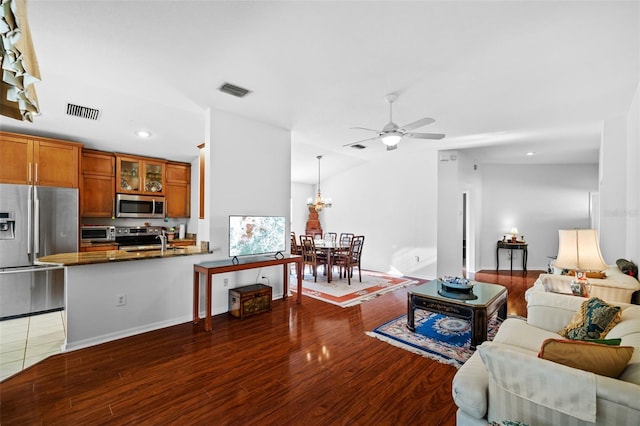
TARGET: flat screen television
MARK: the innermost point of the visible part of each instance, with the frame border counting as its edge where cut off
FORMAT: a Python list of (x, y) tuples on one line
[(256, 235)]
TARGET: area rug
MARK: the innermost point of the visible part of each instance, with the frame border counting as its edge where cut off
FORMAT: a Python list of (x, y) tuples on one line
[(439, 337), (340, 293)]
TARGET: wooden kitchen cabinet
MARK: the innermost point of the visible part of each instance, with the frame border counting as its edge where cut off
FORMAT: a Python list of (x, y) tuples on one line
[(140, 175), (178, 189), (97, 188), (32, 160)]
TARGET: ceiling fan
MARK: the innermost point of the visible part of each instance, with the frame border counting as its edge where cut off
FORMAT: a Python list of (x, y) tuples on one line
[(391, 134)]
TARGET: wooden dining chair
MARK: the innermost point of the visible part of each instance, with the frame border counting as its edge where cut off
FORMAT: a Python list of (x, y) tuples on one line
[(295, 248), (330, 236), (310, 255), (351, 259), (345, 239)]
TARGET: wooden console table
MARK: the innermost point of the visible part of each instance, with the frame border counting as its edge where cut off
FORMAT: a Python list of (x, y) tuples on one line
[(222, 266), (511, 246)]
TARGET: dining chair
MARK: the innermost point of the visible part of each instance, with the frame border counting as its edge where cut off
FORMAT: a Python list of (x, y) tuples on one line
[(351, 259), (295, 248), (310, 255), (330, 236), (345, 238)]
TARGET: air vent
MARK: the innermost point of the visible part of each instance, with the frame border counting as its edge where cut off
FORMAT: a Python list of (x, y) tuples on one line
[(358, 146), (237, 91), (83, 112)]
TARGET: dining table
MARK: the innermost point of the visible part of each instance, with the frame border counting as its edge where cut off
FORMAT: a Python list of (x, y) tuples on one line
[(329, 248)]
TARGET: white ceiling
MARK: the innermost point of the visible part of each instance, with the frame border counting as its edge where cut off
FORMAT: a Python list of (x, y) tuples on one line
[(507, 76)]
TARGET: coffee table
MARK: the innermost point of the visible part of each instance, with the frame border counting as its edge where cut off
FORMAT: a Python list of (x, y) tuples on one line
[(490, 298)]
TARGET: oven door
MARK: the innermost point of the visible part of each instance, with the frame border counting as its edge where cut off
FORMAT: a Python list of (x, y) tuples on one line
[(141, 206)]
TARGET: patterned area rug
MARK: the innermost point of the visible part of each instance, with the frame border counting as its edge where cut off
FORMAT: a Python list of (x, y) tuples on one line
[(339, 292), (439, 337)]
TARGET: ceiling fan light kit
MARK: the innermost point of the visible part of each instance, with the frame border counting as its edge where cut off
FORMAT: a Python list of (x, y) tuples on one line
[(391, 133), (391, 139)]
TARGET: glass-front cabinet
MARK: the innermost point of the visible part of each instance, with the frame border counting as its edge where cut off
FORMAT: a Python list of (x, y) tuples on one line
[(140, 175)]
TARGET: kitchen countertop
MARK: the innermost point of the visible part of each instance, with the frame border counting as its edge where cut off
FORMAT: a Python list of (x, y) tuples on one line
[(93, 257), (182, 242)]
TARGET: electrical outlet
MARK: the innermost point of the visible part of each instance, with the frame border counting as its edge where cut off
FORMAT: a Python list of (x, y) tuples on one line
[(121, 299), (226, 282)]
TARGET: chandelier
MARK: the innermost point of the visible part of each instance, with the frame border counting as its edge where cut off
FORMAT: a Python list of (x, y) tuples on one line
[(319, 203)]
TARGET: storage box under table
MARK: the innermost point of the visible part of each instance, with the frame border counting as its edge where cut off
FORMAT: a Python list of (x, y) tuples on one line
[(249, 300)]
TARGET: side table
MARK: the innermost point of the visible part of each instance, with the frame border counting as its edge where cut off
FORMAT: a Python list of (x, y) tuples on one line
[(511, 246)]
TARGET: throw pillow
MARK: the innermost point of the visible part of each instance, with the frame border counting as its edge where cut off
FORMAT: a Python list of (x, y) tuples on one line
[(603, 360), (627, 267), (593, 320)]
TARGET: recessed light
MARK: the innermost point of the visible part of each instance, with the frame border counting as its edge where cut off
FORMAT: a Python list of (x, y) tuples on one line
[(143, 133), (530, 154)]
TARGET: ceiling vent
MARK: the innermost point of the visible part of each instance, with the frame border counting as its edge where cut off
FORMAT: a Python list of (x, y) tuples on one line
[(83, 112), (237, 91), (358, 146)]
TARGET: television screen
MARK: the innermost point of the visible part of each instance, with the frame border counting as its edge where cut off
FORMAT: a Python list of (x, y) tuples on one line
[(253, 235)]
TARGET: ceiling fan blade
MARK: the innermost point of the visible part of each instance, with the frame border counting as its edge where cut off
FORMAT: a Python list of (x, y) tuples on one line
[(425, 135), (356, 143), (364, 128), (418, 123), (392, 147)]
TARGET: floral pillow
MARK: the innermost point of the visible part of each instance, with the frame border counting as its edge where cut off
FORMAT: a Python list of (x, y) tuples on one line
[(593, 320)]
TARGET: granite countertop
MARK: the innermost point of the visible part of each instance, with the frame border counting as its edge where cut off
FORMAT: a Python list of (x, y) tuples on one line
[(189, 241), (93, 257)]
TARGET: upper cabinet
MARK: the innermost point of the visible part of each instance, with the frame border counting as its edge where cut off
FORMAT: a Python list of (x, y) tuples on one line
[(97, 189), (140, 175), (31, 160), (178, 190)]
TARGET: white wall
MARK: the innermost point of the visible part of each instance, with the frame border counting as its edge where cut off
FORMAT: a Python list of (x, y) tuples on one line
[(613, 188), (538, 200), (632, 251), (300, 192), (449, 205), (248, 172), (392, 201)]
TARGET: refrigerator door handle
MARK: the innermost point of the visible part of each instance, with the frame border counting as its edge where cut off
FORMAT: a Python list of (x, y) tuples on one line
[(36, 222), (29, 221)]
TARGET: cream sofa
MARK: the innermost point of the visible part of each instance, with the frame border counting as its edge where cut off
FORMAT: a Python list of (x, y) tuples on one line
[(617, 287), (505, 380)]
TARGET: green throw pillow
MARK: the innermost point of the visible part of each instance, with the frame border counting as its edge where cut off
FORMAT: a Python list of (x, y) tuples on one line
[(593, 320), (627, 267)]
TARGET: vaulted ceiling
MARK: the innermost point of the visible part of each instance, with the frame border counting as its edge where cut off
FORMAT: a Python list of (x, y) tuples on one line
[(501, 78)]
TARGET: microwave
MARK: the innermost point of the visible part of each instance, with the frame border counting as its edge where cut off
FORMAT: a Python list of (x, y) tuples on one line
[(97, 233), (141, 206)]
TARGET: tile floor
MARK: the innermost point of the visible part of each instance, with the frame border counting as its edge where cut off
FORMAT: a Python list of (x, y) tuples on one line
[(26, 341)]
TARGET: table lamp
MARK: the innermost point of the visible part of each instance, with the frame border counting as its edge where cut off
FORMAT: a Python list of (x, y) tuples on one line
[(578, 249), (514, 234)]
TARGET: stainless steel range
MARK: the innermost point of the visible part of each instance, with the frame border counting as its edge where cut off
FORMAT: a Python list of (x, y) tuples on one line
[(138, 238)]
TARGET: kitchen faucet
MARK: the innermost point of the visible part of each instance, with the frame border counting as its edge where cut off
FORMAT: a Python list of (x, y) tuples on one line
[(163, 241)]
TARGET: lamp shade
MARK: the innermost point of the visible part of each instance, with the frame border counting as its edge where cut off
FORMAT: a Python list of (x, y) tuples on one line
[(578, 249)]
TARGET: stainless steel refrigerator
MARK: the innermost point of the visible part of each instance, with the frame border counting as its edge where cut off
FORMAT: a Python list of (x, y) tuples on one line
[(35, 221)]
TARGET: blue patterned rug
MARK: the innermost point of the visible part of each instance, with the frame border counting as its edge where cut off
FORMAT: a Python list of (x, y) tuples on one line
[(439, 337)]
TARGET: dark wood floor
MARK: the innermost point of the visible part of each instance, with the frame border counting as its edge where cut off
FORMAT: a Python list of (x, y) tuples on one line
[(310, 364)]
